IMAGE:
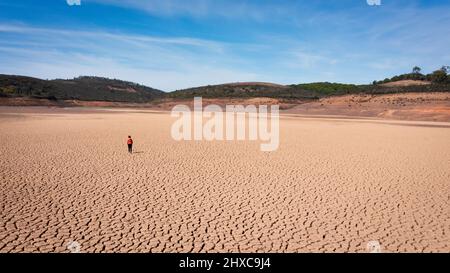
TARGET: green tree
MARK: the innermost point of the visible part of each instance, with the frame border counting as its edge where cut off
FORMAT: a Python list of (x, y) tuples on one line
[(439, 76), (416, 70)]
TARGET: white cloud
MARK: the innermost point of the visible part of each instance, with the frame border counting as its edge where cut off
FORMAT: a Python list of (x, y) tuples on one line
[(73, 2), (374, 2), (167, 63), (181, 41)]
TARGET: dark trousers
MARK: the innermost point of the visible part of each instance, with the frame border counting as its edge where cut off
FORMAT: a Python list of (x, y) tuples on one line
[(130, 148)]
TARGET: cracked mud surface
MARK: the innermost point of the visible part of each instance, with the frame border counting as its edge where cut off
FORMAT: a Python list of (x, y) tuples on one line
[(332, 186)]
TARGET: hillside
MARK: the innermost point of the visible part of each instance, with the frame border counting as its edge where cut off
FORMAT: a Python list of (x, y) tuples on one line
[(21, 90), (406, 83), (81, 88), (437, 81), (432, 106), (270, 90), (302, 91), (233, 90)]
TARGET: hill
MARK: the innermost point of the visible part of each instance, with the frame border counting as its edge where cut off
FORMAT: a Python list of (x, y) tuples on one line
[(303, 91), (437, 81), (100, 90), (270, 90), (232, 90), (81, 88)]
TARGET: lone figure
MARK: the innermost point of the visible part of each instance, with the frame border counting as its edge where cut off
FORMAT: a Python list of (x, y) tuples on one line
[(130, 144)]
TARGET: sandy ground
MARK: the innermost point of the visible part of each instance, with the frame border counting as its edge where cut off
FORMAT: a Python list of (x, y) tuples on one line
[(332, 186)]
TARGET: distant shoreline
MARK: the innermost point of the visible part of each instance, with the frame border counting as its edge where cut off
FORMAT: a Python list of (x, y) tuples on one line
[(433, 106)]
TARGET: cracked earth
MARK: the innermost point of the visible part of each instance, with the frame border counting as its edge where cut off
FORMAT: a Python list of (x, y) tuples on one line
[(332, 186)]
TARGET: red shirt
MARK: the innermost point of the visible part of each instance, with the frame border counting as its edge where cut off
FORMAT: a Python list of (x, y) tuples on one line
[(129, 141)]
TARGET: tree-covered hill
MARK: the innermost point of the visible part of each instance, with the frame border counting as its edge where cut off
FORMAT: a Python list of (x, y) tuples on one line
[(81, 88)]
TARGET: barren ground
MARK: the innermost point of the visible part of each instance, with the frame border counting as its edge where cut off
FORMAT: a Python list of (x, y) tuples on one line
[(433, 106), (332, 186)]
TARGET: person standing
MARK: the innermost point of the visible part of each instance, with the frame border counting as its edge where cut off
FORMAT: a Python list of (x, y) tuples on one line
[(130, 144)]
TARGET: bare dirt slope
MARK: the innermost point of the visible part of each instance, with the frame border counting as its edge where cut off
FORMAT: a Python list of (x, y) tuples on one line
[(403, 83), (408, 106), (404, 106), (332, 186)]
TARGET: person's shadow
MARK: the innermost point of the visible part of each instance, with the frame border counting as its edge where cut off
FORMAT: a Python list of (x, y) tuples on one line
[(138, 152)]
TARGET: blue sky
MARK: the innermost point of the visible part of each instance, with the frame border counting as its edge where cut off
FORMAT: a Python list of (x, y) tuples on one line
[(174, 44)]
